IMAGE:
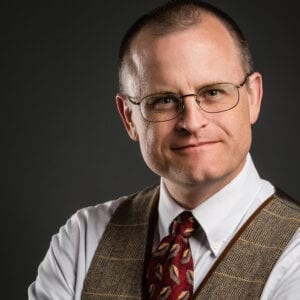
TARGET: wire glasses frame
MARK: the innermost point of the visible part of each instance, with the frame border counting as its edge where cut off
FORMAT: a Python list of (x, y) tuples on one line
[(214, 98)]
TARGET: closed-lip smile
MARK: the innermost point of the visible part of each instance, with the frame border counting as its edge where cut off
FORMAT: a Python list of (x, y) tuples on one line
[(193, 145)]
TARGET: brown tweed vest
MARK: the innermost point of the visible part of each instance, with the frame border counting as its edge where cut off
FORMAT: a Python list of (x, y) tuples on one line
[(118, 268)]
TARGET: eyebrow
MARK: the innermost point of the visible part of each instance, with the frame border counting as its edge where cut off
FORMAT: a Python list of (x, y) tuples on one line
[(177, 93)]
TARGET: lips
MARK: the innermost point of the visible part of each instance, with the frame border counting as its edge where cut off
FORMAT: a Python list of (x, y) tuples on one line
[(192, 146)]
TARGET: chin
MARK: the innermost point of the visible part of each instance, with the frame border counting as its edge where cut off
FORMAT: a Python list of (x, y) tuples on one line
[(213, 174)]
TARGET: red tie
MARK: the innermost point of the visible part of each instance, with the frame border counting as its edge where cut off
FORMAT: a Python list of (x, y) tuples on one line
[(171, 270)]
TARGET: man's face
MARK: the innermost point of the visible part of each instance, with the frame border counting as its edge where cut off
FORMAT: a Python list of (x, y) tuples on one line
[(197, 150)]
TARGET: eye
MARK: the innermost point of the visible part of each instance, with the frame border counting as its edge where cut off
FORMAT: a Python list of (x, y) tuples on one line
[(213, 93), (162, 101), (166, 99)]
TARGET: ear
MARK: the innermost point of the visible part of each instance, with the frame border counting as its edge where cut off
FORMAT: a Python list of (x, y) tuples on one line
[(125, 112), (255, 93)]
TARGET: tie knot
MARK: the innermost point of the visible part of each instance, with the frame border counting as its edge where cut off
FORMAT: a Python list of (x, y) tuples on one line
[(184, 224)]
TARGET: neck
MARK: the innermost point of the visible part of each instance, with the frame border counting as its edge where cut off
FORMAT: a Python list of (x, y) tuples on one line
[(189, 197)]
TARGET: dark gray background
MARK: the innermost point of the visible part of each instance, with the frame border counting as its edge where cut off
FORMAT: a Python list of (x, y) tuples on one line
[(64, 146)]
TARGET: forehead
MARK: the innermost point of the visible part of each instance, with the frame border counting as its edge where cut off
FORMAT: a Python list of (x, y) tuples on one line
[(206, 51)]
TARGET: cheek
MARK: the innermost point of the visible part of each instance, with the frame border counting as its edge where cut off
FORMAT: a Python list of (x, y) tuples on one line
[(150, 150), (153, 144), (147, 138), (237, 127), (241, 131), (147, 144)]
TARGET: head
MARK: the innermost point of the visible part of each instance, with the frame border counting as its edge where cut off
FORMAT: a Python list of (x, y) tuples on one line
[(180, 48), (175, 16)]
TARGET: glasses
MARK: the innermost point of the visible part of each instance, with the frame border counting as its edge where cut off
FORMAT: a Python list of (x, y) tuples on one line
[(214, 98)]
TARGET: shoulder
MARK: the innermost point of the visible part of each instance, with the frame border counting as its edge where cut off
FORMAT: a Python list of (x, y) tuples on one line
[(94, 217), (98, 216), (286, 199), (71, 250), (283, 282), (286, 206)]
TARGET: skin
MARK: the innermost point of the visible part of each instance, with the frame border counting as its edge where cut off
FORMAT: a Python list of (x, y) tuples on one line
[(197, 153)]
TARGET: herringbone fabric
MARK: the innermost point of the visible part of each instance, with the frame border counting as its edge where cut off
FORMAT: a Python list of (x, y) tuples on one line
[(171, 271)]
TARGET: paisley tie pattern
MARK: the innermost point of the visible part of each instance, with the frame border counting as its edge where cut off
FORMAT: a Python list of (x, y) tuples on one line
[(170, 273)]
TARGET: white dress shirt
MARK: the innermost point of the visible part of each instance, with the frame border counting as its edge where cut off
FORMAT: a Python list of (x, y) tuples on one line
[(62, 272)]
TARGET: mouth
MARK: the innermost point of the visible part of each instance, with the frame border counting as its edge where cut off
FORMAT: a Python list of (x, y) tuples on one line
[(194, 146)]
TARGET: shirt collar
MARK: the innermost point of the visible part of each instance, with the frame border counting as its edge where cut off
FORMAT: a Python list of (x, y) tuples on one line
[(221, 214)]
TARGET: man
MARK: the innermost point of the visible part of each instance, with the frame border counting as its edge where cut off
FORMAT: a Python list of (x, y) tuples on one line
[(188, 95)]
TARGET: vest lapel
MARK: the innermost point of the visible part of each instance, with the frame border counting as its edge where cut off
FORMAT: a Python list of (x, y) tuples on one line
[(243, 268), (118, 268)]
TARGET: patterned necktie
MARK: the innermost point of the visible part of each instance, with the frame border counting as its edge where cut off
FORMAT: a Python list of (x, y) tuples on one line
[(171, 270)]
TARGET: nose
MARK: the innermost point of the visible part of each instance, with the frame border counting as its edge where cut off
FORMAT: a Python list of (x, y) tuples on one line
[(192, 117)]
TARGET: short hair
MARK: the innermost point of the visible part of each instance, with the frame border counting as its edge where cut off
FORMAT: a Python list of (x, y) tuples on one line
[(176, 15)]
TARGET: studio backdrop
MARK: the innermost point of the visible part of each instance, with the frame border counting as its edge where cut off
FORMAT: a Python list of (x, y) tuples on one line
[(64, 146)]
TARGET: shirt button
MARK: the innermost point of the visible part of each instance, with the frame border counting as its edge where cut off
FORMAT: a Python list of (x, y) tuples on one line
[(215, 246)]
